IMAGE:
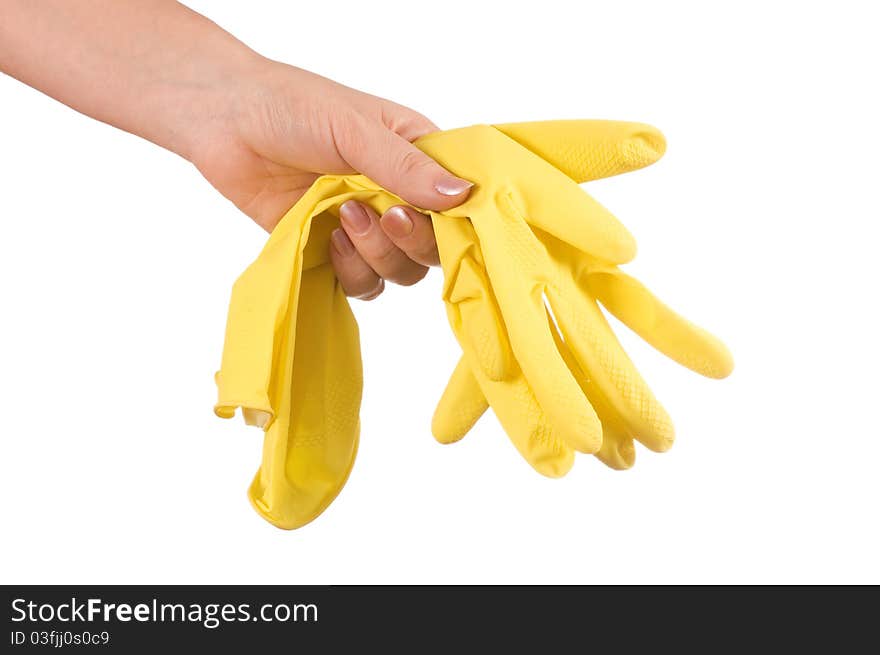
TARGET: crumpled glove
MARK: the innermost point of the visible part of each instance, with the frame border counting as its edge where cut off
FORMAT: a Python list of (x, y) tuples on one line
[(298, 374), (554, 390), (295, 374)]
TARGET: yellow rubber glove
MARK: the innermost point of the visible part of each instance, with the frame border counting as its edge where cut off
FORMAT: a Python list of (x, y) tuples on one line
[(572, 279), (291, 358), (292, 362)]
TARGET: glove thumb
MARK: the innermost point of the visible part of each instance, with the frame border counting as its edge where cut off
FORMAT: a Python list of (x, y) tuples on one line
[(590, 149)]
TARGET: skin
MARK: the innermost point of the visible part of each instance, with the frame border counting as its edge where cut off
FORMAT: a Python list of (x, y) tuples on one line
[(260, 131)]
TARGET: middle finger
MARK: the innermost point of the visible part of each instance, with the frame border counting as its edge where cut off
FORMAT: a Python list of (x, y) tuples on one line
[(361, 224)]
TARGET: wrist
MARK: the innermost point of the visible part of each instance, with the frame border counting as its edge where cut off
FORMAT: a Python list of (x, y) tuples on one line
[(209, 102), (256, 101)]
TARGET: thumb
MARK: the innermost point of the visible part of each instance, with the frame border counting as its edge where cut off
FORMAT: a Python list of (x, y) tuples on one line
[(394, 163)]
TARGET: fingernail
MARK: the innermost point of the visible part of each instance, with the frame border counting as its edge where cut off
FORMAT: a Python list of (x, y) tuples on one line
[(397, 222), (449, 185), (341, 243), (354, 216)]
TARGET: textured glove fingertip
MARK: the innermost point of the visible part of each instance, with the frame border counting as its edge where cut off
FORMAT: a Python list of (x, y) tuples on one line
[(553, 466), (659, 439), (642, 148), (617, 453), (721, 364), (447, 432), (460, 407), (586, 435)]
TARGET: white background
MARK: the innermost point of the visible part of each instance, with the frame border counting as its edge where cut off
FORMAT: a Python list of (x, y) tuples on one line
[(116, 262)]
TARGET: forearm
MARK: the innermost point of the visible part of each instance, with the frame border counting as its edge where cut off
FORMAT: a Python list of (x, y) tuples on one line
[(151, 67)]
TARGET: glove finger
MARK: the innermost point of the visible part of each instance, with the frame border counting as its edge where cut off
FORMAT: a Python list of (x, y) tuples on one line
[(517, 263), (552, 202), (676, 337), (517, 410), (588, 150), (618, 450), (460, 406), (509, 394), (567, 409), (471, 305), (471, 298), (607, 366), (527, 425)]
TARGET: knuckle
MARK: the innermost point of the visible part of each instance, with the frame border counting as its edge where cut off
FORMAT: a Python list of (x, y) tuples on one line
[(386, 256), (409, 163), (426, 253), (345, 130)]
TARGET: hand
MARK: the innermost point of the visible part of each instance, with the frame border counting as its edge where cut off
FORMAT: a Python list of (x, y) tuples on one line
[(261, 132), (291, 126)]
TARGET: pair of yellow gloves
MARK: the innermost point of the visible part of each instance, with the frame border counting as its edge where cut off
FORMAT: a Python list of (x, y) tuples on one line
[(526, 261)]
